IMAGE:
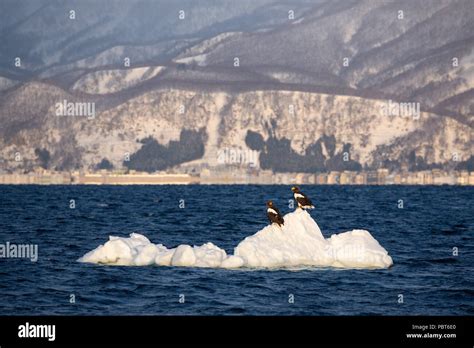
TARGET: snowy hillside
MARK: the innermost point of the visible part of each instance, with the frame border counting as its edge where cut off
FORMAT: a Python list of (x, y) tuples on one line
[(175, 83)]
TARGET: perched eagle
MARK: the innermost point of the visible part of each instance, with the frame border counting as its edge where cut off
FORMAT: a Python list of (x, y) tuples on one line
[(303, 201), (273, 214)]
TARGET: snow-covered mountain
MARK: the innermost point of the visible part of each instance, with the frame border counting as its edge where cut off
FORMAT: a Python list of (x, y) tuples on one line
[(310, 85)]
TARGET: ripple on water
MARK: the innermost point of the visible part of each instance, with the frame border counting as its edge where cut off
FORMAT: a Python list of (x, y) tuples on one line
[(419, 241)]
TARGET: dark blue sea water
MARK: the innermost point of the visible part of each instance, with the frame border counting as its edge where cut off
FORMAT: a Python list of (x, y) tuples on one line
[(420, 238)]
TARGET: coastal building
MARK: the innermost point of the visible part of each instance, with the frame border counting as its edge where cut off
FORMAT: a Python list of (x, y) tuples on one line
[(372, 178), (382, 175), (444, 178), (134, 178), (361, 178), (229, 175), (471, 178), (333, 178), (347, 177), (322, 179), (463, 178)]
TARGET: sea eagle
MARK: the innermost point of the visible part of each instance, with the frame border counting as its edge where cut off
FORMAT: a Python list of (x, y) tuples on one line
[(303, 201), (274, 214)]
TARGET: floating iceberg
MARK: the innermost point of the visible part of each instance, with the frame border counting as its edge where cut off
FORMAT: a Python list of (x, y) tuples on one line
[(298, 243)]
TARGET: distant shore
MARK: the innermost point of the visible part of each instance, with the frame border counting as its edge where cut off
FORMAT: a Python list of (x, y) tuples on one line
[(379, 177)]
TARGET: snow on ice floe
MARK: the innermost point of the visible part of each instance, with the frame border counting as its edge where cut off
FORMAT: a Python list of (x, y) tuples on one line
[(298, 243)]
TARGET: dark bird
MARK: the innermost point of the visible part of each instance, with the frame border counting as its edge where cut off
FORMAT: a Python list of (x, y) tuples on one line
[(273, 214), (303, 201)]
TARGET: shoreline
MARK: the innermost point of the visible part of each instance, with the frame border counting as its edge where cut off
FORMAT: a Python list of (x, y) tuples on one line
[(242, 176), (412, 179)]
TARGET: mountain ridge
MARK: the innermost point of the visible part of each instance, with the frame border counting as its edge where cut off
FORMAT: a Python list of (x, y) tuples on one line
[(337, 66)]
